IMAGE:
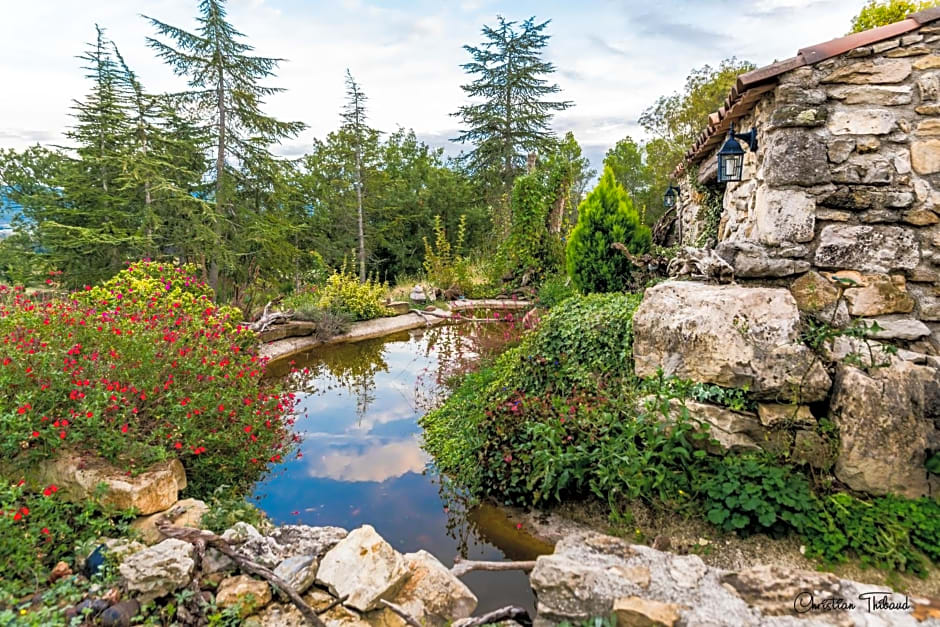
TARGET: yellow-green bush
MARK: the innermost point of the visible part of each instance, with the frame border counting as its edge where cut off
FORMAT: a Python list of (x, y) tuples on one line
[(343, 293)]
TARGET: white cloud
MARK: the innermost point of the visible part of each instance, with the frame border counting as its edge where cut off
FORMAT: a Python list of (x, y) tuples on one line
[(375, 462), (614, 59)]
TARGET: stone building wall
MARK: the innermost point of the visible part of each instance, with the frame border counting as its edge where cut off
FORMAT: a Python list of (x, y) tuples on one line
[(846, 179)]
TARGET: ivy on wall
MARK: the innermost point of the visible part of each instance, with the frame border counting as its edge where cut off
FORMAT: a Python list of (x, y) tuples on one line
[(711, 205)]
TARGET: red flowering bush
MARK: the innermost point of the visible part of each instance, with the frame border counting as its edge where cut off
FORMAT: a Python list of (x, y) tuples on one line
[(141, 368)]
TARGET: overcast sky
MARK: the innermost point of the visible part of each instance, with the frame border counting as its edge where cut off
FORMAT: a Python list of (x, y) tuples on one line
[(614, 57)]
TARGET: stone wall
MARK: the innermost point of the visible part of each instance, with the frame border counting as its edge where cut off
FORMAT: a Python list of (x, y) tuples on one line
[(846, 178)]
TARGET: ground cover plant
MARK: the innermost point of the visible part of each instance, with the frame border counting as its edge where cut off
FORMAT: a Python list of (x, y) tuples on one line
[(562, 417)]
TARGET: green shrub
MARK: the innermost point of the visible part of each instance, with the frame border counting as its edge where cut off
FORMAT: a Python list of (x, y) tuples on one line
[(228, 506), (444, 264), (343, 293), (140, 369), (883, 12), (888, 532), (581, 347), (605, 217), (555, 289)]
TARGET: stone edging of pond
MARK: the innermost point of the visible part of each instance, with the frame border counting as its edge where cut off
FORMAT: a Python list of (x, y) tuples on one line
[(286, 348)]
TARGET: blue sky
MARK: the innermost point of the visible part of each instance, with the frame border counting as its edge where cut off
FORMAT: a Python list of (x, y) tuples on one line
[(614, 57)]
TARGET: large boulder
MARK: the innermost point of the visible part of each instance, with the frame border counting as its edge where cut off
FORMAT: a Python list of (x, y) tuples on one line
[(432, 594), (364, 568), (729, 335), (78, 477), (158, 570), (887, 421)]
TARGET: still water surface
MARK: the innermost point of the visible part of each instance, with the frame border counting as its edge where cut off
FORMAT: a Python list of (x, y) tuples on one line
[(361, 461)]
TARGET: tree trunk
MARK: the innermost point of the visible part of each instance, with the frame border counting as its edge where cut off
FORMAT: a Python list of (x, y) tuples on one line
[(362, 235), (219, 169)]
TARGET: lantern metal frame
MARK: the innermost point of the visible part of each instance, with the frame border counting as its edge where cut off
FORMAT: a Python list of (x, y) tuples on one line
[(731, 155), (671, 197)]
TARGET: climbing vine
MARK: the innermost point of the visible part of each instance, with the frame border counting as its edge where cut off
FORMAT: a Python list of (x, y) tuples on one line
[(711, 207)]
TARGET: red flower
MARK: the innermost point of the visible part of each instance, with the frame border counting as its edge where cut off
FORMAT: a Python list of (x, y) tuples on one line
[(124, 428), (178, 445), (45, 531), (50, 490), (35, 434)]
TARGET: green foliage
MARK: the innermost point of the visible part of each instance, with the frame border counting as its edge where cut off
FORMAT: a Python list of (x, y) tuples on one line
[(444, 264), (555, 289), (605, 217), (629, 163), (749, 495), (888, 532), (674, 122), (581, 345), (140, 370), (343, 293), (39, 529), (528, 247), (883, 12), (228, 506), (735, 399)]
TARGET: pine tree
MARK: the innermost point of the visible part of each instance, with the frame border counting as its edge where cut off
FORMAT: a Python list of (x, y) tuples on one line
[(94, 225), (224, 80), (605, 217), (354, 123), (514, 111)]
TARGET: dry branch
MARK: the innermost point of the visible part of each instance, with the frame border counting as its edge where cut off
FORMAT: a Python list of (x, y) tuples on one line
[(405, 616), (510, 612), (268, 318), (462, 566), (207, 538)]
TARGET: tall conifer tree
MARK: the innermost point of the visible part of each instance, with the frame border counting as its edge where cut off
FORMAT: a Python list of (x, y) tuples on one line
[(512, 108), (224, 80), (354, 124)]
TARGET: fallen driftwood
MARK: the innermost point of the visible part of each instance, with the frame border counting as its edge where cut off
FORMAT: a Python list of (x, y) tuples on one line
[(510, 612), (268, 318), (200, 538), (462, 566), (405, 616)]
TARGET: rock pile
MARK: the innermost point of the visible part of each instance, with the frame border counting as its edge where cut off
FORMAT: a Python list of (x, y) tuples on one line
[(591, 575), (351, 572)]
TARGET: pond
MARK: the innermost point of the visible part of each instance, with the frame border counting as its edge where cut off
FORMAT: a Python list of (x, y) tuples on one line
[(361, 462)]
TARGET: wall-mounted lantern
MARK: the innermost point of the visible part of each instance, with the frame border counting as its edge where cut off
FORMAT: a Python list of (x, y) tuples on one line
[(731, 155), (669, 198)]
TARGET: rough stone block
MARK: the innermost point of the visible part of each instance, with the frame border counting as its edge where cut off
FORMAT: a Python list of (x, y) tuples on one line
[(729, 335), (867, 248), (925, 156), (795, 157), (871, 72), (862, 122), (873, 94), (784, 215)]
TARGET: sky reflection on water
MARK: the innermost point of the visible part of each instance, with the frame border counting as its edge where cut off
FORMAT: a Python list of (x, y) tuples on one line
[(361, 463)]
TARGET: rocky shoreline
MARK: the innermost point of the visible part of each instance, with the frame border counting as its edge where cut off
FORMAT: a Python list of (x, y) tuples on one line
[(356, 578)]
